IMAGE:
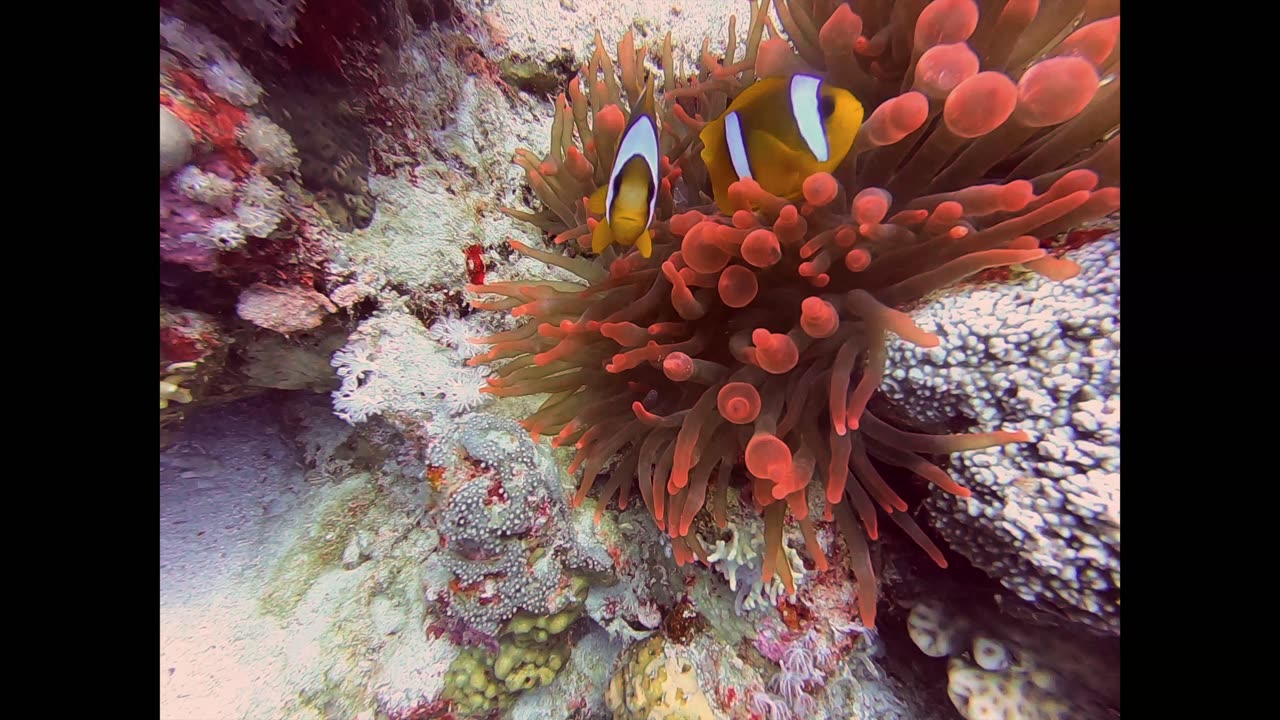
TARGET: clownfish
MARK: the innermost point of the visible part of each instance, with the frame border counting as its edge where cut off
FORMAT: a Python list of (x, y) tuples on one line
[(628, 200), (778, 132)]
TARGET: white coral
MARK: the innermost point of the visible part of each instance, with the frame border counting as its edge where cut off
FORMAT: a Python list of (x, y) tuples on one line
[(461, 390), (352, 401), (769, 707), (739, 560), (261, 207), (733, 554), (457, 334), (206, 187), (211, 59), (226, 234), (392, 365), (270, 144)]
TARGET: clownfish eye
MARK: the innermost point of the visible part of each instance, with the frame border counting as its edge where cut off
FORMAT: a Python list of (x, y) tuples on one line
[(826, 106)]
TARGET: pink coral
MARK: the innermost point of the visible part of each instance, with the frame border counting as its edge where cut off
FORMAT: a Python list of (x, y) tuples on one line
[(283, 309)]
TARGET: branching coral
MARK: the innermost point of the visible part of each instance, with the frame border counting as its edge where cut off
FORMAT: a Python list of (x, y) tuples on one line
[(747, 348), (738, 558)]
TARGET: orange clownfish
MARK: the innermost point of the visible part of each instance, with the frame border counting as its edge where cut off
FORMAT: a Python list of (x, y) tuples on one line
[(628, 200), (778, 132)]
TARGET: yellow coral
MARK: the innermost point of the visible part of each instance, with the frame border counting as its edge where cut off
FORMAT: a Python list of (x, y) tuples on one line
[(652, 685), (1009, 694), (532, 649), (171, 385)]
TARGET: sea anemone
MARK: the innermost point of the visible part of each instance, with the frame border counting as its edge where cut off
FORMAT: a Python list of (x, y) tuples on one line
[(746, 349)]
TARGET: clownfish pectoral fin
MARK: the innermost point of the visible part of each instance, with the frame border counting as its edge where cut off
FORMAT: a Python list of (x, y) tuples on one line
[(645, 244), (601, 237), (596, 204), (773, 153)]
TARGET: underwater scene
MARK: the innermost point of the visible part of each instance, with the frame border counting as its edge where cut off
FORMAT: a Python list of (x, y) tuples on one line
[(640, 359)]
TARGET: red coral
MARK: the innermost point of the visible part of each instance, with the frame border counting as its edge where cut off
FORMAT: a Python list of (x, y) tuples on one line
[(497, 494), (188, 336), (175, 347), (475, 264), (728, 698), (435, 477), (745, 350), (794, 615), (213, 119)]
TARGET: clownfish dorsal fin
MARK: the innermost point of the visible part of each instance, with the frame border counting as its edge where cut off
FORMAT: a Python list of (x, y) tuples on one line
[(647, 102)]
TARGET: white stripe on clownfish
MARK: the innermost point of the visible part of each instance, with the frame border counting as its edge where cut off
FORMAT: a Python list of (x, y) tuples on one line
[(804, 108), (639, 140), (737, 145)]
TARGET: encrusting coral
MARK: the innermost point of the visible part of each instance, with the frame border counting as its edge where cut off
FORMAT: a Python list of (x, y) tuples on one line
[(745, 350)]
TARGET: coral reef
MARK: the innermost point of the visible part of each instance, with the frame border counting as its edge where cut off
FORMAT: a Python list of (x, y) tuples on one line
[(240, 241), (531, 652), (1001, 668), (333, 147), (578, 689), (336, 205), (1044, 358), (278, 17), (225, 197), (647, 580), (762, 334), (739, 558)]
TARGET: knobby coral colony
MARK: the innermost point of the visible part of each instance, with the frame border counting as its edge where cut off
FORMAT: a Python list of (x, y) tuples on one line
[(758, 335)]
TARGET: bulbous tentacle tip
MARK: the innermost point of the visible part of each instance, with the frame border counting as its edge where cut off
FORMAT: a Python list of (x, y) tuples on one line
[(1094, 42), (840, 32), (894, 120), (775, 59), (761, 248), (738, 402), (980, 104), (942, 67), (946, 21), (857, 260), (775, 353), (1055, 90), (818, 318), (737, 286), (820, 189)]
